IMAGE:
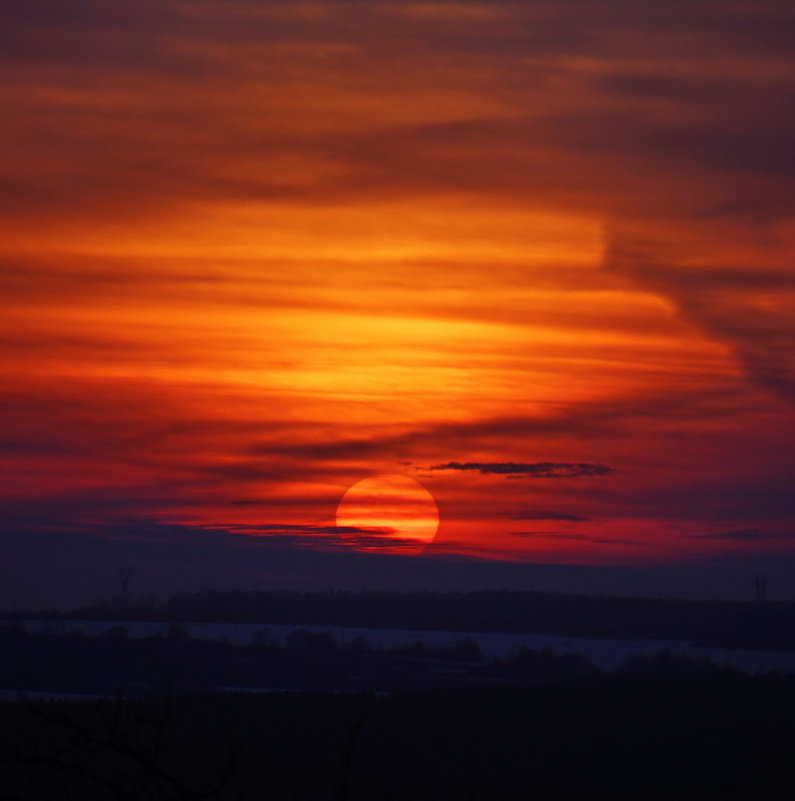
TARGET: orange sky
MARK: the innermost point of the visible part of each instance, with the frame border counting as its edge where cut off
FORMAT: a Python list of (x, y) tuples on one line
[(253, 252)]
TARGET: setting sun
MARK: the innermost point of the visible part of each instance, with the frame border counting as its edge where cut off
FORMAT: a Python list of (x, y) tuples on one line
[(391, 509)]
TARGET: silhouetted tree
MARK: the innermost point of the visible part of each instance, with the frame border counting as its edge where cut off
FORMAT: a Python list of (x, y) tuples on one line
[(115, 752)]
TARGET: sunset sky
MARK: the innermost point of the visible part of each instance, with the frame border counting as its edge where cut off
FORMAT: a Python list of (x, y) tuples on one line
[(537, 256)]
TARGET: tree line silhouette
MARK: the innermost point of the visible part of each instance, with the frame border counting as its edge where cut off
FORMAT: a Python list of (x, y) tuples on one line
[(752, 624)]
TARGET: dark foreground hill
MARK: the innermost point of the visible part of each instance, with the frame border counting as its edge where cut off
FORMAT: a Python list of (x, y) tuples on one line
[(715, 737)]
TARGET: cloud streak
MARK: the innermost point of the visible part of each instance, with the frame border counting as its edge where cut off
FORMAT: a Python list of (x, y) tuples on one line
[(585, 538), (737, 534), (528, 470)]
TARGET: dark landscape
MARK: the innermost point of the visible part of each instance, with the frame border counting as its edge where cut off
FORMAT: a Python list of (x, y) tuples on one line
[(174, 716)]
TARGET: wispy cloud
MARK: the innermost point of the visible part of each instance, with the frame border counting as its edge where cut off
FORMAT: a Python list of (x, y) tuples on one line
[(746, 306), (314, 537), (564, 537), (740, 534), (549, 515), (528, 470)]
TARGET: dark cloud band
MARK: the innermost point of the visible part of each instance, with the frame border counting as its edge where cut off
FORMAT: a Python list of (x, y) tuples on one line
[(529, 469), (549, 515)]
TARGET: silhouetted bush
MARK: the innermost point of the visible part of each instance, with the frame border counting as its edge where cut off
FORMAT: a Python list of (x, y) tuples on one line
[(464, 650), (669, 663), (312, 642), (262, 637), (115, 633)]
